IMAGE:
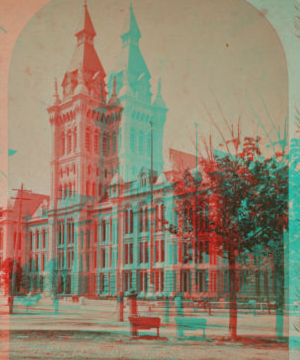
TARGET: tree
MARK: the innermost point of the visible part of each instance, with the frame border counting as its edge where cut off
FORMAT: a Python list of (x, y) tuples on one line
[(10, 267), (253, 196)]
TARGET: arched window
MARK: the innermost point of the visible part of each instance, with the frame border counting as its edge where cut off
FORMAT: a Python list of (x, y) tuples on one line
[(149, 144), (126, 222), (190, 219), (141, 143), (96, 142), (131, 221), (141, 220), (75, 139), (95, 232), (105, 144), (146, 220), (99, 189), (114, 140), (132, 140), (162, 214), (69, 141), (185, 220), (88, 238), (31, 240), (63, 143), (81, 239), (176, 219), (87, 188), (103, 230), (88, 139), (94, 190), (65, 191), (206, 214)]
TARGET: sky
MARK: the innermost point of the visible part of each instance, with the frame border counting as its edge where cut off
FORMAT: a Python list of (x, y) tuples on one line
[(206, 52)]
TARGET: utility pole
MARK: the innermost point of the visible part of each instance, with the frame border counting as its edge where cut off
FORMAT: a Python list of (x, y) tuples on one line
[(151, 284), (196, 245), (19, 231)]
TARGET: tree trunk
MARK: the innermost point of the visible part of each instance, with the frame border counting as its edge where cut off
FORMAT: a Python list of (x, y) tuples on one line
[(279, 276), (233, 297)]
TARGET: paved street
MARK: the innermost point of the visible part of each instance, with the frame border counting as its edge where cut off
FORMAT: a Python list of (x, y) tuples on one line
[(82, 332)]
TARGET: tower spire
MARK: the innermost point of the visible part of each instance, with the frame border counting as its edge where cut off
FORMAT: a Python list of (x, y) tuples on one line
[(56, 95), (114, 97), (131, 32), (102, 99), (159, 101), (85, 26)]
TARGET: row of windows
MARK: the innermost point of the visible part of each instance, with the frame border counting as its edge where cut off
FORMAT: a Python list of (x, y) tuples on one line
[(40, 240), (67, 190), (37, 263), (69, 141), (61, 259), (70, 233), (144, 118), (142, 144)]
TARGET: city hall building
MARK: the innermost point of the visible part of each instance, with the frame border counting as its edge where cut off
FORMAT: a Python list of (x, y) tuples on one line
[(115, 220)]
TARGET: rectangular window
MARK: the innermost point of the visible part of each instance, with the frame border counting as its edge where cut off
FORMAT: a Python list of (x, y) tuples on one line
[(175, 253), (146, 252), (206, 252), (141, 252), (103, 258), (162, 251), (126, 254), (156, 281), (37, 235), (87, 262), (170, 254), (44, 239), (141, 281), (185, 253), (156, 251), (206, 281), (131, 253), (162, 281), (145, 282)]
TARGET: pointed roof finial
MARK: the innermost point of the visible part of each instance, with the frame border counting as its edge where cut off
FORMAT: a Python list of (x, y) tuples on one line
[(159, 88), (114, 97), (101, 96), (159, 101), (131, 29), (114, 93), (85, 25), (56, 96)]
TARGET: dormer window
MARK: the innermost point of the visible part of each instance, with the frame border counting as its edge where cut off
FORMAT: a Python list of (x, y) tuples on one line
[(44, 211)]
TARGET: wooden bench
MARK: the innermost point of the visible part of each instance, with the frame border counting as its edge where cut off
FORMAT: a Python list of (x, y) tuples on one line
[(188, 323), (143, 323)]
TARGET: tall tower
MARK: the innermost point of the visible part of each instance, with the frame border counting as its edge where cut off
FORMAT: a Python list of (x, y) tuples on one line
[(133, 90), (75, 157)]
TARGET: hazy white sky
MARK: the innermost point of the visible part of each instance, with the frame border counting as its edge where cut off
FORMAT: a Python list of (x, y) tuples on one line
[(203, 50)]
